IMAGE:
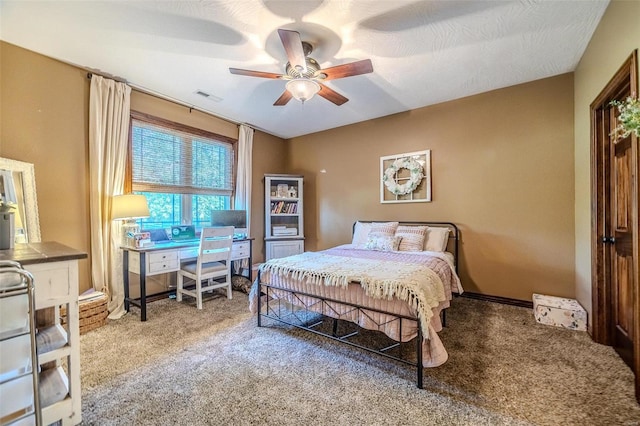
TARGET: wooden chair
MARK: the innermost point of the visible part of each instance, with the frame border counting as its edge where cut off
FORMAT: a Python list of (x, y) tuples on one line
[(214, 262)]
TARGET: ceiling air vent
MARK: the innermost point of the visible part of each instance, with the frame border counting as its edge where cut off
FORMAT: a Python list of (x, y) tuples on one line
[(208, 96)]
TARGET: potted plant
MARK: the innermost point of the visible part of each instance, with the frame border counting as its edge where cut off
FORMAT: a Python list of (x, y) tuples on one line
[(628, 117)]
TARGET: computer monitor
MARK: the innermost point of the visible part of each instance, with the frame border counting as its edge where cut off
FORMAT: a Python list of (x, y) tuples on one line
[(235, 218)]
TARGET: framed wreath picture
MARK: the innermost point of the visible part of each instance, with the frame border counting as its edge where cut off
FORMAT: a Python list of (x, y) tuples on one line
[(406, 178)]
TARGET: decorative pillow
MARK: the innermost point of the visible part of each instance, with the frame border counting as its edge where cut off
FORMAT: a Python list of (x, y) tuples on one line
[(360, 233), (382, 243), (383, 228), (437, 239), (412, 237)]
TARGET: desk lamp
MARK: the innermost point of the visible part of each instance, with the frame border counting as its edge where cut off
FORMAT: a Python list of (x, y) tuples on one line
[(129, 207)]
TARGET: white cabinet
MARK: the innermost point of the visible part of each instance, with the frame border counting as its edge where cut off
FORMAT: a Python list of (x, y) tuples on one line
[(277, 249), (54, 268), (284, 215), (56, 285)]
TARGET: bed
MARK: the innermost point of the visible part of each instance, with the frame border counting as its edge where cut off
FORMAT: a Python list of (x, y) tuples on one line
[(394, 277)]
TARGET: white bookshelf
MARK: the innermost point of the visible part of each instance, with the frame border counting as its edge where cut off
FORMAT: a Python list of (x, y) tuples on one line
[(284, 215)]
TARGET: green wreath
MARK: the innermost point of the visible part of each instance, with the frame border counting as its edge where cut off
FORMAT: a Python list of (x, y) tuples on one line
[(410, 185)]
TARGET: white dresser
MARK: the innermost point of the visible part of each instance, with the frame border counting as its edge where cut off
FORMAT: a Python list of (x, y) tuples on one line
[(54, 268)]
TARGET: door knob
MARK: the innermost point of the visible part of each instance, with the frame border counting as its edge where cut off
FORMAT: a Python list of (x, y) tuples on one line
[(610, 240)]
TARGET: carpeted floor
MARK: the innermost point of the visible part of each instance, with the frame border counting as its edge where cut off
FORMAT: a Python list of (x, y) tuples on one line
[(215, 367)]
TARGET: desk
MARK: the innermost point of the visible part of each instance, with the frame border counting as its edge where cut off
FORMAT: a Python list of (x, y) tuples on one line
[(166, 257)]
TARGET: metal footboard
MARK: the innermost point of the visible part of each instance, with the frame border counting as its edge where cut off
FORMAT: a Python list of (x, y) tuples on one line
[(311, 320)]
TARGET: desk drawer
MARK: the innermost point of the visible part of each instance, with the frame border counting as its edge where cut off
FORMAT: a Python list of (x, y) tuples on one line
[(162, 256), (240, 250), (164, 266)]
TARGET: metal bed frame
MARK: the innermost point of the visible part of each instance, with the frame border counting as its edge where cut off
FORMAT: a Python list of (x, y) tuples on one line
[(312, 321)]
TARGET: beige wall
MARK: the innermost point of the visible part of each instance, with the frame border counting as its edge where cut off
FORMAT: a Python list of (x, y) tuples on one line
[(157, 107), (502, 167), (45, 112), (269, 156), (44, 122), (617, 35)]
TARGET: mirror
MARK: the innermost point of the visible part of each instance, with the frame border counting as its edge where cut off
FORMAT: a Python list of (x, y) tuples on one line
[(18, 188)]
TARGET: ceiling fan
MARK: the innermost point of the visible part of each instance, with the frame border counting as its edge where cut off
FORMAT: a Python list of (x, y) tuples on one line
[(304, 75)]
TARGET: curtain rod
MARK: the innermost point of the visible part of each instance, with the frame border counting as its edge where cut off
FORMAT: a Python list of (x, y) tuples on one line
[(169, 98)]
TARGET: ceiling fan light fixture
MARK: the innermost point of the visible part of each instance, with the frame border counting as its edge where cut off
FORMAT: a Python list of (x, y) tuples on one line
[(303, 89)]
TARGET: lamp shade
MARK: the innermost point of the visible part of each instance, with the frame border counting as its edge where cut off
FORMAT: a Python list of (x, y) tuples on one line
[(129, 206), (303, 89)]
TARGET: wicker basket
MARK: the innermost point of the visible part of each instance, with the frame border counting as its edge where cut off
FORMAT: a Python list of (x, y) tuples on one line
[(93, 313)]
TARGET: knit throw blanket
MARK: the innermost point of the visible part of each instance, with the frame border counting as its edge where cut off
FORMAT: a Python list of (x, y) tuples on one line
[(413, 283)]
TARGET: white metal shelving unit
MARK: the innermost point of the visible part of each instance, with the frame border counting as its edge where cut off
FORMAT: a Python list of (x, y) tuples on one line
[(19, 402)]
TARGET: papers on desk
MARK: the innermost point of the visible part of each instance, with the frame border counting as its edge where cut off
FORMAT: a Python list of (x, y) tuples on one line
[(142, 239)]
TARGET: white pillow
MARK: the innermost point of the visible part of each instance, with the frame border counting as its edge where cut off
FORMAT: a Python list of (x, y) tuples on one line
[(382, 242), (437, 239), (360, 233)]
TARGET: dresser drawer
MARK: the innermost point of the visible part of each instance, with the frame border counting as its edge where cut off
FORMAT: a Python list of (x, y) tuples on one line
[(27, 421), (14, 315), (17, 398), (15, 354), (53, 282)]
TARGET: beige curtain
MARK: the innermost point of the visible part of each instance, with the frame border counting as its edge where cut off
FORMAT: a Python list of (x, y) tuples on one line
[(109, 113), (242, 199)]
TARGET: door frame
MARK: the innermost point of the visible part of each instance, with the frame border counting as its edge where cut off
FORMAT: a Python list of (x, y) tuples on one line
[(601, 288)]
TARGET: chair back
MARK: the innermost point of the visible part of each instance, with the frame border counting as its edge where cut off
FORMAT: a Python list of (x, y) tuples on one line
[(215, 244)]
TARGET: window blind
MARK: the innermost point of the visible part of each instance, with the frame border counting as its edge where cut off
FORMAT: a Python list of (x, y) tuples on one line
[(173, 161)]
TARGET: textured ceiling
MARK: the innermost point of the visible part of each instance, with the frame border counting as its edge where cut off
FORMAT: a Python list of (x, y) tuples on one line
[(423, 52)]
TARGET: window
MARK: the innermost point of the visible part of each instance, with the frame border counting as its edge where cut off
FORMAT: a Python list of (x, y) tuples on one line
[(184, 172)]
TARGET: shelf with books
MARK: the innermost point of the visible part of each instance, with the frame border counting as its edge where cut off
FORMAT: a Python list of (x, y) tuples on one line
[(284, 219)]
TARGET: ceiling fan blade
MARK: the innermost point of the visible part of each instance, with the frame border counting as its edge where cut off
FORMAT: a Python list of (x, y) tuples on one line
[(293, 46), (347, 70), (251, 73), (283, 99), (331, 95)]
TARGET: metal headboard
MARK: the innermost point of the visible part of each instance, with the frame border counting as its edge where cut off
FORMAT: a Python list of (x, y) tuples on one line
[(454, 233)]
